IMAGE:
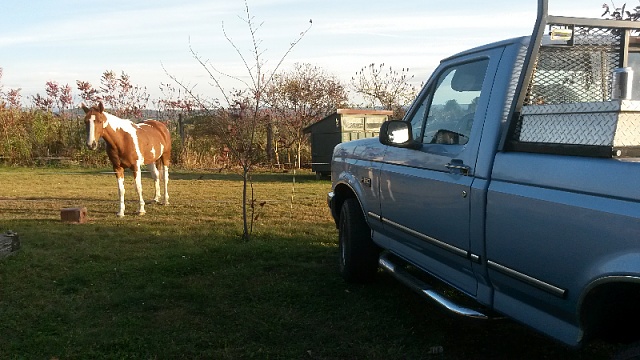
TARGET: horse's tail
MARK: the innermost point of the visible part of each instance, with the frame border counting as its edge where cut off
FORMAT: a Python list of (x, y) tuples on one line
[(165, 157)]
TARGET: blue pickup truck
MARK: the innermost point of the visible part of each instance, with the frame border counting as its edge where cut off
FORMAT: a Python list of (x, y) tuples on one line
[(514, 178)]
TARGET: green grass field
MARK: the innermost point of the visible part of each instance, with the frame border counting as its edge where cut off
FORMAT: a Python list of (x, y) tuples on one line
[(179, 283)]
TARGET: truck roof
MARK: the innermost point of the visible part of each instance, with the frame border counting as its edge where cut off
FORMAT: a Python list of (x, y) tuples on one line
[(519, 41)]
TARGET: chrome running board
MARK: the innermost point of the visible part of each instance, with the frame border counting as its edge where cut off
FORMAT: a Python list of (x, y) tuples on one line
[(424, 289)]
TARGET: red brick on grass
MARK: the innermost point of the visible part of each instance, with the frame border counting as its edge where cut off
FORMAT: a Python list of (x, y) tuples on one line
[(74, 215)]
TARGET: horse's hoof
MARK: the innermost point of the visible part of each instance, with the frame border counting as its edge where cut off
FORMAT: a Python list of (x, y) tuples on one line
[(141, 213), (120, 215)]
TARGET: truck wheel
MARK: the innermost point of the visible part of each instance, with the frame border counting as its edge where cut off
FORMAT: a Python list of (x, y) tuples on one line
[(358, 253), (630, 352)]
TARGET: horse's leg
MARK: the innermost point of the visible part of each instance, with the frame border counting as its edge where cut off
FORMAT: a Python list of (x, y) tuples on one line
[(138, 180), (156, 180), (120, 178), (165, 180)]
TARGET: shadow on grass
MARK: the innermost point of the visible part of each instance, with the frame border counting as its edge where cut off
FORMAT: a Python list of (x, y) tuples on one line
[(305, 177), (302, 176), (128, 290), (51, 198)]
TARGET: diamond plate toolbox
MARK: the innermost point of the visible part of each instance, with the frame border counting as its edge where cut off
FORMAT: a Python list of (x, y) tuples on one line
[(609, 123)]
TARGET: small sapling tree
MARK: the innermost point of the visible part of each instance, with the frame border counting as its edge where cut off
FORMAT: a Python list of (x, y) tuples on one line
[(243, 110)]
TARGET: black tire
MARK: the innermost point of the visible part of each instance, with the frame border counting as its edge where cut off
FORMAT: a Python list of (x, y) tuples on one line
[(358, 253), (629, 352)]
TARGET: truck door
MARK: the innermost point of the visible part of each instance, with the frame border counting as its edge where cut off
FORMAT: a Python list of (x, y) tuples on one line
[(425, 193)]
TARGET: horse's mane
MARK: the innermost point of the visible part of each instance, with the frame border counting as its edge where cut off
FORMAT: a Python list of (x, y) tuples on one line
[(119, 123)]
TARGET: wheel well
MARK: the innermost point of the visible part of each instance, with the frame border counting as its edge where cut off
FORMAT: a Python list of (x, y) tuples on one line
[(610, 312), (341, 193)]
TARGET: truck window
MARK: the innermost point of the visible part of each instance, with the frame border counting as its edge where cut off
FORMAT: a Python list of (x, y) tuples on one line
[(452, 105), (634, 63)]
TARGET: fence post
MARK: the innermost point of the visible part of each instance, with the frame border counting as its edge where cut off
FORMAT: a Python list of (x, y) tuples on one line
[(181, 128)]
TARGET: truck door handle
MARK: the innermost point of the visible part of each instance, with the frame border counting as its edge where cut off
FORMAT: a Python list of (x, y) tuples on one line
[(458, 165)]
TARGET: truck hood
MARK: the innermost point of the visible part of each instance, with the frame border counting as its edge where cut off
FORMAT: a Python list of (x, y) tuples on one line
[(363, 149)]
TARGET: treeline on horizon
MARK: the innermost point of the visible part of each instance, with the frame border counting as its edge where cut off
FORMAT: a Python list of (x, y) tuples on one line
[(205, 134)]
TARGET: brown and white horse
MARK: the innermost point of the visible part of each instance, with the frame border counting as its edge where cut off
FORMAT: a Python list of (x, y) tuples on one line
[(130, 146)]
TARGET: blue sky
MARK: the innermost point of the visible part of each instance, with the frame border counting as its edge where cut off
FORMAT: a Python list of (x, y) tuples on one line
[(69, 40)]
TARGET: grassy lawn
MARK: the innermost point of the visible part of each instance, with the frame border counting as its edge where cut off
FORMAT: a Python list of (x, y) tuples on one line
[(179, 283)]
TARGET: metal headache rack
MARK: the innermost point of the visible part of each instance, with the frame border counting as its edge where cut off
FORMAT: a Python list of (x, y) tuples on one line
[(578, 70), (574, 97)]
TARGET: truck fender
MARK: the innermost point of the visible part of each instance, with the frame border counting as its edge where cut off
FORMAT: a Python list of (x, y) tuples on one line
[(347, 186)]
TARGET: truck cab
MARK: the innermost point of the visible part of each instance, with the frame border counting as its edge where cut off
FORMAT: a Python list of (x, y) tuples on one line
[(513, 179)]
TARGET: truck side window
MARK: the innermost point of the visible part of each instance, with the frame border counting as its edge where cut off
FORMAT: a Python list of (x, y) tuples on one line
[(417, 120), (453, 105), (634, 63)]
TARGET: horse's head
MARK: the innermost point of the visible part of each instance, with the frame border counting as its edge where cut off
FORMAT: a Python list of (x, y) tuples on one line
[(95, 120)]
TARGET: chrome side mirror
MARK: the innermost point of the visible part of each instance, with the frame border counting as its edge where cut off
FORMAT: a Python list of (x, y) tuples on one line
[(398, 133)]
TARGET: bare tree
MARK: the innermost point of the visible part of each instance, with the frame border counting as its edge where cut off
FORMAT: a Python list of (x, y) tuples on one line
[(174, 101), (245, 107), (621, 13), (299, 98), (385, 87)]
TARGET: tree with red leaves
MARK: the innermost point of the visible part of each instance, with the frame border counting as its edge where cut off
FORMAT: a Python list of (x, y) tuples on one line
[(12, 98), (117, 94), (57, 97)]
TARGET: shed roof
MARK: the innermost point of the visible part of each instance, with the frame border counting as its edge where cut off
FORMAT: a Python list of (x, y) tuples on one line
[(364, 111)]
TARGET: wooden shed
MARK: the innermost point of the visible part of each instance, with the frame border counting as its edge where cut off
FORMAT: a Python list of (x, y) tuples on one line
[(341, 126)]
